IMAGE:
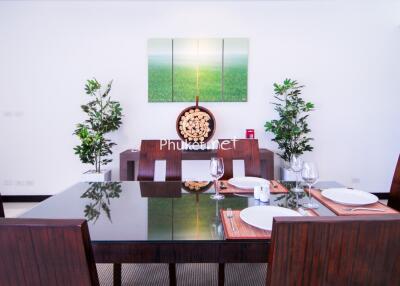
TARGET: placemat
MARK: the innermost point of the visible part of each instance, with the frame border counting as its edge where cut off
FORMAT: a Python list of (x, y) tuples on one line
[(275, 188), (244, 230), (339, 209)]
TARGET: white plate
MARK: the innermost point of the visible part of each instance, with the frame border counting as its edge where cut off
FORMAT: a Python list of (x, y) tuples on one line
[(247, 182), (349, 197), (261, 216)]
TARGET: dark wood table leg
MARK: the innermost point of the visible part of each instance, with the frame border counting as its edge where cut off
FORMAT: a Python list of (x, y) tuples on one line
[(123, 168), (127, 170), (267, 169), (172, 274), (2, 209), (263, 165), (221, 274), (117, 277), (131, 172)]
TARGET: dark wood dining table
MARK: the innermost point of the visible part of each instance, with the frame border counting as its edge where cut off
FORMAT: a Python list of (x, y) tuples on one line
[(160, 222)]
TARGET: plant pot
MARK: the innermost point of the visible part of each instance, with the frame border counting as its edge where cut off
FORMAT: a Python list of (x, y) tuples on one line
[(287, 174), (92, 176)]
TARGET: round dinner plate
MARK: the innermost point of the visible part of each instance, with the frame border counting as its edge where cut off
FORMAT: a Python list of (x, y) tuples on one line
[(261, 216), (247, 182), (349, 197)]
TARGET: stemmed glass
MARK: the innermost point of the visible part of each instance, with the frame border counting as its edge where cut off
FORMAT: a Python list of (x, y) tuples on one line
[(296, 165), (216, 171), (310, 176)]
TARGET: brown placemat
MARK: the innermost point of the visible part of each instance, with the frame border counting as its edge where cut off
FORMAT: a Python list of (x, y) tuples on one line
[(339, 209), (244, 230), (275, 188)]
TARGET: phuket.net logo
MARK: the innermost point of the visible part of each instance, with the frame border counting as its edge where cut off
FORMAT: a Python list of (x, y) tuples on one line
[(226, 144)]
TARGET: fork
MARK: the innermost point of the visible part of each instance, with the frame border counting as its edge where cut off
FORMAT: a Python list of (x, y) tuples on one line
[(230, 217), (363, 209)]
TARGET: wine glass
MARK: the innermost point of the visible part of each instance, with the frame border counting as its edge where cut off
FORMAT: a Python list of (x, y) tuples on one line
[(310, 176), (216, 171), (296, 165)]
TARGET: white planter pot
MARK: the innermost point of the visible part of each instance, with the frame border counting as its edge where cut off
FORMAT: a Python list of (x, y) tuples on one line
[(92, 176), (287, 174)]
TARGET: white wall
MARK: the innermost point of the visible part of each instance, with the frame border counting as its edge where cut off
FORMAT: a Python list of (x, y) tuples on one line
[(345, 52)]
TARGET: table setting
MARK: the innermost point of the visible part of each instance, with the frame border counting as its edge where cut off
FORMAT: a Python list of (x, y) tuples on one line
[(246, 185), (345, 201), (255, 222)]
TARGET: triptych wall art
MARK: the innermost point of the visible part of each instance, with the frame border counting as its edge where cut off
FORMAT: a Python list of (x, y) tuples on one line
[(213, 69)]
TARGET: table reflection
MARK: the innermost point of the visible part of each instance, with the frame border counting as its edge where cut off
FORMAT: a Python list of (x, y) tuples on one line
[(99, 195), (160, 189), (140, 211), (290, 200)]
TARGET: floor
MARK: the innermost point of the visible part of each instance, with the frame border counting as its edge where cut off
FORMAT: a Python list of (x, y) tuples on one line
[(16, 209), (191, 274)]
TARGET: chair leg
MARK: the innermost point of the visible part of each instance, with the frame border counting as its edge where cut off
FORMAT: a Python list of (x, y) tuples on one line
[(172, 274), (117, 277), (221, 274)]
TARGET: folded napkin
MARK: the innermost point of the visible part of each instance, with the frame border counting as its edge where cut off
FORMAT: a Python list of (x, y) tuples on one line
[(340, 209), (275, 188), (244, 230)]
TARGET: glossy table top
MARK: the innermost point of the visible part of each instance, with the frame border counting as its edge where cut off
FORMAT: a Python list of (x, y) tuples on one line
[(152, 211)]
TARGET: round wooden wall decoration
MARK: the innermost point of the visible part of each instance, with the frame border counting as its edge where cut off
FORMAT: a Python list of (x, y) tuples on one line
[(195, 124)]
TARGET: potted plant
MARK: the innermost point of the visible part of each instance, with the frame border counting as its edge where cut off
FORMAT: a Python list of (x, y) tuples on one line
[(103, 116), (291, 129)]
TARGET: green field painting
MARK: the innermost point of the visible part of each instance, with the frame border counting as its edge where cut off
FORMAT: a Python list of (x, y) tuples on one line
[(235, 69), (184, 69), (197, 66), (160, 70), (213, 69)]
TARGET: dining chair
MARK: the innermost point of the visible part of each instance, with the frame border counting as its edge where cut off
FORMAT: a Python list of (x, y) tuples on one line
[(154, 150), (356, 250), (240, 149), (46, 252), (170, 151), (394, 195), (1, 207)]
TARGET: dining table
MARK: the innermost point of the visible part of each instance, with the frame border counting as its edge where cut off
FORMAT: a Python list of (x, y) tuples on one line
[(162, 222)]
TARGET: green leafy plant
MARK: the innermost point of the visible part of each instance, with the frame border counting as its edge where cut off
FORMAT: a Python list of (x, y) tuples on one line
[(104, 115), (291, 129)]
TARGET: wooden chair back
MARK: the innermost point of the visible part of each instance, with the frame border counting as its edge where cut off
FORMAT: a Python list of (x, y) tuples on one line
[(394, 195), (46, 252), (153, 150), (240, 149), (1, 207), (361, 250)]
